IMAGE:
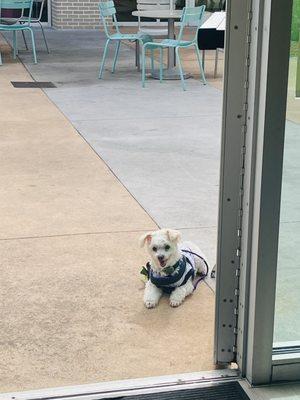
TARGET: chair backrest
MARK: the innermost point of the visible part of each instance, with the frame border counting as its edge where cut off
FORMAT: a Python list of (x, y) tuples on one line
[(38, 16), (107, 9), (148, 5), (22, 5), (16, 4), (191, 16), (37, 11)]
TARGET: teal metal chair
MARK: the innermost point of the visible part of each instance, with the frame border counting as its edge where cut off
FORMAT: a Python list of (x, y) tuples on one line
[(107, 10), (191, 16), (36, 18), (13, 25)]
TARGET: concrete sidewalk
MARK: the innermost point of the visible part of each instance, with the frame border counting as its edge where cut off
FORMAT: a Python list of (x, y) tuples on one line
[(162, 143), (71, 296)]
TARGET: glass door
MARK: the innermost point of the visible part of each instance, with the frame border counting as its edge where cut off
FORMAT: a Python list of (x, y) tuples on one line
[(287, 302), (269, 302), (125, 9), (287, 310)]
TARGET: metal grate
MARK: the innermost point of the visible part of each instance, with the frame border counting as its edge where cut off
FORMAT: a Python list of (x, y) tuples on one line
[(27, 85), (219, 391)]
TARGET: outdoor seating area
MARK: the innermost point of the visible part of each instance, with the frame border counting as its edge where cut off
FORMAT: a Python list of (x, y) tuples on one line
[(17, 16), (192, 17)]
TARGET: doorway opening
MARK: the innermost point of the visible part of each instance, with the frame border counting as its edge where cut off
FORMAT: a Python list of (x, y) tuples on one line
[(104, 162)]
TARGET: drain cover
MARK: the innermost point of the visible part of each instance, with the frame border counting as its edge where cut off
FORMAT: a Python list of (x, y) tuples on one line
[(26, 85), (219, 391)]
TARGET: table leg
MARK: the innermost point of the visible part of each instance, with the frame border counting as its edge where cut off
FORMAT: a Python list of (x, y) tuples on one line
[(171, 52)]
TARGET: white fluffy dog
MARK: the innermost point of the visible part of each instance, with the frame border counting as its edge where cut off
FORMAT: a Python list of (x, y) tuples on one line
[(172, 268)]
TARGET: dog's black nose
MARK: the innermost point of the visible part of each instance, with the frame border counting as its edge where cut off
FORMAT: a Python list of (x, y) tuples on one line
[(161, 258)]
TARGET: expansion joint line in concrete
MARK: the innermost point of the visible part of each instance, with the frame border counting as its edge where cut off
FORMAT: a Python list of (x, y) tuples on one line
[(75, 234)]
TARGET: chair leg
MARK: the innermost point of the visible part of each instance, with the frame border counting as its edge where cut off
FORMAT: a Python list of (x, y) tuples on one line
[(25, 41), (216, 63), (143, 65), (116, 56), (15, 44), (44, 36), (160, 65), (180, 68), (152, 61), (0, 58), (138, 54), (174, 37), (200, 64), (103, 59), (33, 45)]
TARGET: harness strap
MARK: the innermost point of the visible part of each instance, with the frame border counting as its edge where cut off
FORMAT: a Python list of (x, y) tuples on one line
[(190, 274), (202, 276)]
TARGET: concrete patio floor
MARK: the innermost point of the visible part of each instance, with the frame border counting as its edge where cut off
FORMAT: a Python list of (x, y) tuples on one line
[(139, 133)]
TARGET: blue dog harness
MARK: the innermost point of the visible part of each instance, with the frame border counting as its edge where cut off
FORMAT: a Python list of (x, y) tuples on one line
[(183, 270)]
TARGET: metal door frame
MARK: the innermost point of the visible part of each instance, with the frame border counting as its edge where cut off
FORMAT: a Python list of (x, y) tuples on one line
[(250, 191), (49, 10), (231, 179)]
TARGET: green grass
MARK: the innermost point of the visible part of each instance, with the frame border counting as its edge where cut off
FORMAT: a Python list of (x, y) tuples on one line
[(296, 20), (294, 49), (295, 35)]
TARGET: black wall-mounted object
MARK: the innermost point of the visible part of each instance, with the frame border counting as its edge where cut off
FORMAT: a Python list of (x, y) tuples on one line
[(210, 39)]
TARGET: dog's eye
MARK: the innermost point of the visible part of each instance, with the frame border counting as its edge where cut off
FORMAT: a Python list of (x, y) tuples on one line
[(154, 249), (167, 247)]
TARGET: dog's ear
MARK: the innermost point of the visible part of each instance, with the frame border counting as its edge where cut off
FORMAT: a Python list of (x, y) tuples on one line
[(145, 238), (173, 235)]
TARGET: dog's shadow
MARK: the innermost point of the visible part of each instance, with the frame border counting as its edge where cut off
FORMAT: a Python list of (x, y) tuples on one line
[(160, 316)]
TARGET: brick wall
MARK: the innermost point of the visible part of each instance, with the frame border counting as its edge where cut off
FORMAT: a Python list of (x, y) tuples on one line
[(75, 14)]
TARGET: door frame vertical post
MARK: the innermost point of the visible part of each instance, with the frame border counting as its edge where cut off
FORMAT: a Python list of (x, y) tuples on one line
[(234, 114)]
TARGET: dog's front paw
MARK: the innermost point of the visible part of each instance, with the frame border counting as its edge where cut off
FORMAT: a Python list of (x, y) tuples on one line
[(152, 295), (150, 303), (175, 302), (177, 297)]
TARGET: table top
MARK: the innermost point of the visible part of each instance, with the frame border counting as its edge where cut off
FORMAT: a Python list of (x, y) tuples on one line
[(168, 14), (216, 21)]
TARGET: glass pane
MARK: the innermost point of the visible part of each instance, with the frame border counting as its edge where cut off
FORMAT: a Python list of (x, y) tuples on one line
[(287, 313), (125, 9)]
